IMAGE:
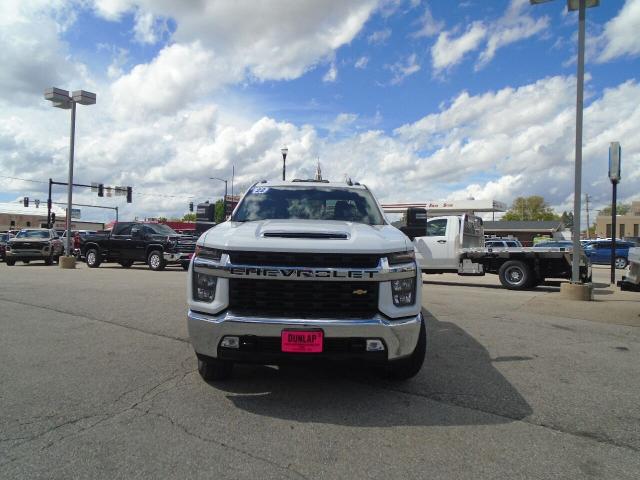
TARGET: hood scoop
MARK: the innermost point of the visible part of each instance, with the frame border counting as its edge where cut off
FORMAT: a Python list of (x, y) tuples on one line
[(313, 235)]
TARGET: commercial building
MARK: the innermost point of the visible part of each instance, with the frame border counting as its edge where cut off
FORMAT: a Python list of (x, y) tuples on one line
[(626, 225), (14, 216)]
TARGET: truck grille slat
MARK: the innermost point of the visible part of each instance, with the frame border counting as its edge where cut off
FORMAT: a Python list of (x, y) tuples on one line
[(303, 299), (311, 260)]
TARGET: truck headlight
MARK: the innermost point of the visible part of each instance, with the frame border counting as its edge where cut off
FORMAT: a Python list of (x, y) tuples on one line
[(209, 253), (404, 292), (204, 287), (401, 257)]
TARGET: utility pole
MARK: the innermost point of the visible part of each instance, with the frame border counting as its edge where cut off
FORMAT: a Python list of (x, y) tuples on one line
[(586, 201)]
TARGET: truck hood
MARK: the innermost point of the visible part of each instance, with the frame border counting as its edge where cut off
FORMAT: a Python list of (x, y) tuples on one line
[(306, 236)]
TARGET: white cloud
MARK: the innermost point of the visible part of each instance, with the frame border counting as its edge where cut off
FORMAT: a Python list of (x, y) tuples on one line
[(332, 74), (447, 52), (181, 73), (147, 28), (620, 36), (362, 62), (379, 36), (429, 26), (513, 26), (403, 69)]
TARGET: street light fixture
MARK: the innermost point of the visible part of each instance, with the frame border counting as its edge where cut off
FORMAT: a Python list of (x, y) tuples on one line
[(284, 151), (225, 193), (581, 6), (61, 99)]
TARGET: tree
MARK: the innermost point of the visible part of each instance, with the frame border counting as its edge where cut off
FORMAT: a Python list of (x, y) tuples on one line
[(567, 219), (621, 209), (189, 217), (219, 211), (530, 208)]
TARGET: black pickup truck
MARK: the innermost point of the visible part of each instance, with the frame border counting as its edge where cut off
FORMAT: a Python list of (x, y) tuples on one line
[(129, 242)]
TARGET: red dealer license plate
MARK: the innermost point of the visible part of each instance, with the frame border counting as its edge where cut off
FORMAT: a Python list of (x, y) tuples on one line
[(302, 341)]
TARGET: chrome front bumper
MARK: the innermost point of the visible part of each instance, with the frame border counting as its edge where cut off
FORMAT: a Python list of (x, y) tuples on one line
[(207, 330), (177, 257)]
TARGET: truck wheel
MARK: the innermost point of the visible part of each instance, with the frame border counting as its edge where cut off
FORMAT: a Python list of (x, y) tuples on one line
[(126, 263), (10, 262), (26, 262), (93, 258), (621, 262), (185, 265), (155, 260), (409, 367), (515, 275), (214, 369)]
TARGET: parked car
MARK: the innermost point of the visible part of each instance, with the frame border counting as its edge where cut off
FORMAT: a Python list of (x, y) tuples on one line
[(4, 238), (599, 252), (502, 243), (34, 244)]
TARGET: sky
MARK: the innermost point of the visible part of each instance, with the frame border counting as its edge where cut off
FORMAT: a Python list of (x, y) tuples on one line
[(420, 100)]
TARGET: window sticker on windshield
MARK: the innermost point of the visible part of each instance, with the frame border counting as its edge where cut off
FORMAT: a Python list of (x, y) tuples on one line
[(260, 189)]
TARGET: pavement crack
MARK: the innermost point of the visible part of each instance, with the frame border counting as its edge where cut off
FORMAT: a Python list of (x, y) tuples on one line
[(223, 444), (99, 320), (437, 397)]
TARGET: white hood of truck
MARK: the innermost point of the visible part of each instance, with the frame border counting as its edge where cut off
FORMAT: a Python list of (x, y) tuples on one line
[(361, 238)]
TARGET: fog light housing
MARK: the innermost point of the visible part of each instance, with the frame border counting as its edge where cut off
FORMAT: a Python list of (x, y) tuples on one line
[(374, 345), (204, 287), (230, 342), (404, 292)]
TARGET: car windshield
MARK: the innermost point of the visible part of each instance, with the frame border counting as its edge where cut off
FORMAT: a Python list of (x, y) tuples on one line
[(308, 203), (33, 234), (161, 229)]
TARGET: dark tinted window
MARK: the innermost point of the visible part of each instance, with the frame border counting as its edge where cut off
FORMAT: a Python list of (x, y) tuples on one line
[(437, 228), (124, 229), (309, 203), (159, 228)]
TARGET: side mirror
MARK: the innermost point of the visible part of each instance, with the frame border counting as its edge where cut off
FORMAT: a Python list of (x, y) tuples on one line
[(416, 217), (136, 233), (416, 220)]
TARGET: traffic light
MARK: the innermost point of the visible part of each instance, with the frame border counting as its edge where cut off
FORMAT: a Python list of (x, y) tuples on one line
[(191, 206), (25, 201), (101, 190), (53, 218), (129, 194)]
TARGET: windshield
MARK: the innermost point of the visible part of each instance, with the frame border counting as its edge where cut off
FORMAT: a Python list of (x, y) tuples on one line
[(33, 234), (160, 229), (308, 203)]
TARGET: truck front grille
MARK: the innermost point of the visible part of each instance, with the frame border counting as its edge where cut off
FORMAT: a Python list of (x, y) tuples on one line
[(311, 260), (186, 246), (303, 299)]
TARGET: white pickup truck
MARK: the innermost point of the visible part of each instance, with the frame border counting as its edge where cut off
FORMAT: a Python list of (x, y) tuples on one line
[(456, 244), (306, 271)]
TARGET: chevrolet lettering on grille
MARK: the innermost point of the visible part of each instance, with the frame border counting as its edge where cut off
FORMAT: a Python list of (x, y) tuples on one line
[(380, 274)]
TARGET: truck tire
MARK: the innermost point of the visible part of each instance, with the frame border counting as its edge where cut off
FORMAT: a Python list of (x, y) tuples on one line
[(516, 275), (213, 369), (126, 263), (155, 260), (185, 265), (621, 262), (409, 367), (10, 262), (26, 262), (93, 258)]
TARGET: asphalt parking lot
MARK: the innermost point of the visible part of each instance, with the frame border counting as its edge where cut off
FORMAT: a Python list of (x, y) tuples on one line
[(99, 381)]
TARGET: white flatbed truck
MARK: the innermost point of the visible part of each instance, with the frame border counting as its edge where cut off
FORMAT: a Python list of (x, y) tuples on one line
[(455, 244)]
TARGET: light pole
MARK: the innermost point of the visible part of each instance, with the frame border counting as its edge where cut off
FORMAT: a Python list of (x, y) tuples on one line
[(225, 193), (61, 99), (581, 6), (284, 151)]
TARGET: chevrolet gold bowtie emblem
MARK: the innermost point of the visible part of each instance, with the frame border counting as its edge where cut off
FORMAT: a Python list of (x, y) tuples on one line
[(359, 292)]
